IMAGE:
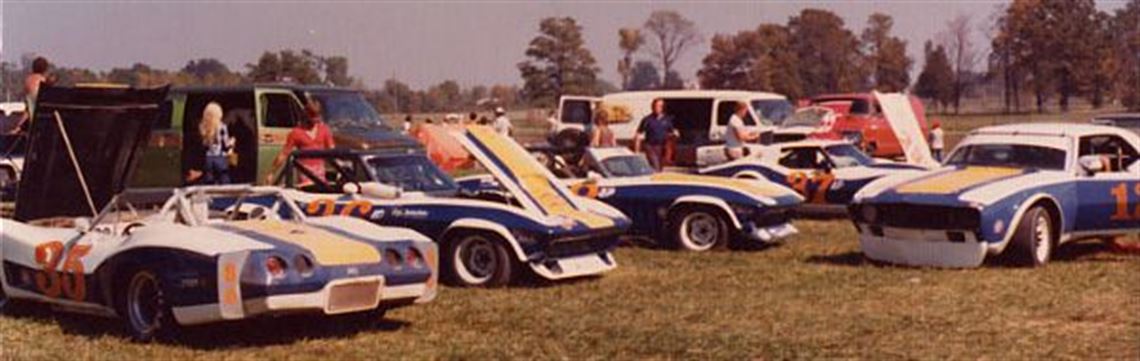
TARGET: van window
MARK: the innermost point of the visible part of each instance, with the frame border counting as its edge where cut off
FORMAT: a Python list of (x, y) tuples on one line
[(281, 111), (773, 111), (576, 112), (724, 111), (691, 117)]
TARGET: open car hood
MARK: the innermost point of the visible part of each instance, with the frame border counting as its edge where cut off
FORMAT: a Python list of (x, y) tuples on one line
[(526, 179), (106, 127), (904, 123)]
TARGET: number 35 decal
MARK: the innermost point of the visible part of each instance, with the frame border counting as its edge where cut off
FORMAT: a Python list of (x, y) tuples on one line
[(70, 282), (802, 183), (1125, 211)]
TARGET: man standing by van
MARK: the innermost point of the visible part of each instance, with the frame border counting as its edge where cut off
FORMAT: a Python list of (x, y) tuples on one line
[(737, 134), (654, 131)]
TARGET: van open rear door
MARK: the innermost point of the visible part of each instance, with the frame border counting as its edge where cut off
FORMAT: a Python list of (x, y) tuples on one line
[(575, 115)]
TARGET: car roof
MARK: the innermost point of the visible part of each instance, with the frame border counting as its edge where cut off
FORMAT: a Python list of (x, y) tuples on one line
[(822, 143), (251, 87), (1049, 129), (1118, 116)]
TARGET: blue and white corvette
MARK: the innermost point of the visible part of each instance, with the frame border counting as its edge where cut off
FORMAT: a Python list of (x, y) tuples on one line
[(695, 212), (1016, 190), (826, 173), (489, 233), (163, 258)]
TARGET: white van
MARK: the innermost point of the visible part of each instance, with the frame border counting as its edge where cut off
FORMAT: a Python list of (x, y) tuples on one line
[(701, 117)]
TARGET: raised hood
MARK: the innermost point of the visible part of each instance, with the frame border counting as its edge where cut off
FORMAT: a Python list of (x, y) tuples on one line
[(106, 127)]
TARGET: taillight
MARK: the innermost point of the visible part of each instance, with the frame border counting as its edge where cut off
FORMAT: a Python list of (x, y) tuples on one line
[(275, 267), (393, 258), (304, 265), (414, 259)]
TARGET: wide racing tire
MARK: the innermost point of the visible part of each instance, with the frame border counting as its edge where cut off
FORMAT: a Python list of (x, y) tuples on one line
[(477, 259), (1034, 239), (699, 229)]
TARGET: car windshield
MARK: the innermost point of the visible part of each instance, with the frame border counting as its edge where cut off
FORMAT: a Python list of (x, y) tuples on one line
[(411, 173), (342, 109), (811, 117), (772, 111), (1009, 155), (847, 155), (627, 166)]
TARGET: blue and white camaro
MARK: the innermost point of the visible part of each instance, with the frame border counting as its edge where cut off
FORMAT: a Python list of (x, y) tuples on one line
[(490, 230), (695, 212), (1016, 190), (159, 259), (826, 173)]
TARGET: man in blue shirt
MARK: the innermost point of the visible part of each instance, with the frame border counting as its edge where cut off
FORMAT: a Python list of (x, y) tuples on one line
[(653, 132)]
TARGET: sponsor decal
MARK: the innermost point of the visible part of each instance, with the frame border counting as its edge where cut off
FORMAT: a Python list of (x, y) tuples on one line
[(958, 180)]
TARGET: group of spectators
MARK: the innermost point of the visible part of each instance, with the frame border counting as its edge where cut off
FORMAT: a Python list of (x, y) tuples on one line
[(501, 123)]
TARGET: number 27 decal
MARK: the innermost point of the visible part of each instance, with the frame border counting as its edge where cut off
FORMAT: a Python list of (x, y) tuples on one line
[(70, 282), (801, 182), (1125, 211)]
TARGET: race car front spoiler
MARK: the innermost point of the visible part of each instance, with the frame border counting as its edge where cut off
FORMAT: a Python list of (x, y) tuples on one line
[(770, 234), (915, 247)]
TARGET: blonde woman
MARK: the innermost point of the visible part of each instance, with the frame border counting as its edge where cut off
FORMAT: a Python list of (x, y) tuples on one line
[(602, 136), (218, 143)]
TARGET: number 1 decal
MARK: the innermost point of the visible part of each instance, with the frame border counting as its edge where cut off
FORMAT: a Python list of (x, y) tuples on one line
[(53, 283), (1124, 210)]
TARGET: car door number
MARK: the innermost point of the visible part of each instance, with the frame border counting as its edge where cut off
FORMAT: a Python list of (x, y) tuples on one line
[(51, 281), (802, 183), (1126, 210)]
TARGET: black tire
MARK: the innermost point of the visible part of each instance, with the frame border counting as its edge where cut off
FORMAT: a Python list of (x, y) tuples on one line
[(476, 259), (6, 303), (698, 229), (141, 303), (1034, 240)]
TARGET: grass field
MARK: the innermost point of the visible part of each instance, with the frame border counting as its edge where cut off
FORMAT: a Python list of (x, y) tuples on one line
[(814, 297)]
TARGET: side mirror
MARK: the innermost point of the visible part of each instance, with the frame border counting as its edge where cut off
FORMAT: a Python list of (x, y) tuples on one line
[(1092, 164)]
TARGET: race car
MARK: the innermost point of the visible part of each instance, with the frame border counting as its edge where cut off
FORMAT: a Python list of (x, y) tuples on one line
[(695, 212), (827, 173), (1016, 191), (160, 259), (489, 235)]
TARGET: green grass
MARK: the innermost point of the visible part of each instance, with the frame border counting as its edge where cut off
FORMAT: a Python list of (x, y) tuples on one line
[(814, 297)]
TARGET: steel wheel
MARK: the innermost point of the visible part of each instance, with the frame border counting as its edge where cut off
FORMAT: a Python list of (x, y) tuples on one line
[(145, 305), (476, 260), (698, 229), (1033, 242), (1042, 238)]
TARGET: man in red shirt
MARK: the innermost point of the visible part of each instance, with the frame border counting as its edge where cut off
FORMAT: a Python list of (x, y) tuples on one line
[(310, 134)]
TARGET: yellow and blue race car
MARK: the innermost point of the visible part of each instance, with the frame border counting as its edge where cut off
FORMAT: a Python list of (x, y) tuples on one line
[(160, 259), (1018, 191), (827, 173), (695, 212), (520, 219)]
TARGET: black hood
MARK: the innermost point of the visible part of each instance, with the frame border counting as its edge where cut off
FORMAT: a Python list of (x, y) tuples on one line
[(106, 127)]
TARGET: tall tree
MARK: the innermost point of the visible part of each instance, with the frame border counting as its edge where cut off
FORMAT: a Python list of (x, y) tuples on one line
[(210, 71), (644, 76), (957, 40), (672, 36), (286, 65), (629, 40), (762, 60), (559, 62), (336, 70), (886, 54), (1125, 26), (828, 53), (936, 81)]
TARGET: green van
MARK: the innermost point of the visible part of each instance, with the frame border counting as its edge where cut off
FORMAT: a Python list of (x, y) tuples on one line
[(259, 117)]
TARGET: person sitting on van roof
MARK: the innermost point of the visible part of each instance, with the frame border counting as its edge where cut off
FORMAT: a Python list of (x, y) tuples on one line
[(654, 132), (310, 134)]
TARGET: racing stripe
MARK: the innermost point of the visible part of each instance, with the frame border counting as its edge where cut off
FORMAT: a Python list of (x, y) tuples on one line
[(958, 180), (328, 248), (532, 180), (760, 188)]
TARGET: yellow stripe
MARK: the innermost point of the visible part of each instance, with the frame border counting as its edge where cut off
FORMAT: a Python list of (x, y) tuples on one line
[(760, 188), (532, 179), (953, 182), (328, 248)]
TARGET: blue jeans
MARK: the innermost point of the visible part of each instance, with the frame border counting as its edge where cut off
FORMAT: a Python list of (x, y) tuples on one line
[(217, 170)]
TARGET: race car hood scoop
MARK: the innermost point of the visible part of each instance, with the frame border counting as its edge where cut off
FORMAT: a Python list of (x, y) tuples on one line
[(105, 127)]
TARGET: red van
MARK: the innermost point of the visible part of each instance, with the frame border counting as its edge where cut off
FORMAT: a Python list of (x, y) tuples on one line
[(861, 120)]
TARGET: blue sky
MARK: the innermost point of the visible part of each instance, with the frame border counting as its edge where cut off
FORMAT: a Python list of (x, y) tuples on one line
[(422, 43)]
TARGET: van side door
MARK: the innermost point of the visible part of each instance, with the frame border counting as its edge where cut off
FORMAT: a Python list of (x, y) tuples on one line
[(278, 111)]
